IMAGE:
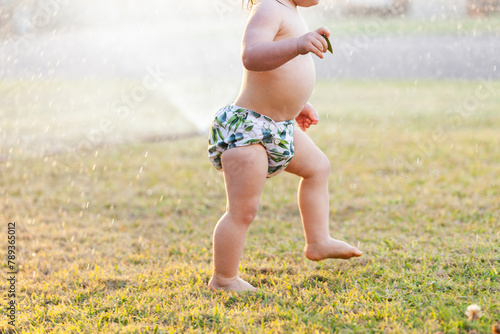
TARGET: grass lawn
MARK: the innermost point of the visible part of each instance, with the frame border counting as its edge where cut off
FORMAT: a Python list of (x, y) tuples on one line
[(119, 239)]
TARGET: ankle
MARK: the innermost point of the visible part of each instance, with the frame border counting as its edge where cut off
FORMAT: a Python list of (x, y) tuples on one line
[(233, 284), (222, 281), (318, 242)]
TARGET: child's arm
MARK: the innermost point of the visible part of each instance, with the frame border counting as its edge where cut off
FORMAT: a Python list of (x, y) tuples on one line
[(262, 53), (307, 117)]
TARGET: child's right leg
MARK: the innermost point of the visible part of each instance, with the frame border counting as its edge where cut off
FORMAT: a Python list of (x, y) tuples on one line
[(245, 172)]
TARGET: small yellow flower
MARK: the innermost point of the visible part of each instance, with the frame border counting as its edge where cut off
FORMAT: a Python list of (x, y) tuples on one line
[(473, 312)]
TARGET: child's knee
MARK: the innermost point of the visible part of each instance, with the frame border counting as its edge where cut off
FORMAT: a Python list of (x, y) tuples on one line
[(250, 213), (320, 167), (323, 165), (245, 215)]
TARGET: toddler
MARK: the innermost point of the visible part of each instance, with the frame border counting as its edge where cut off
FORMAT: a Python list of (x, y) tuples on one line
[(254, 137)]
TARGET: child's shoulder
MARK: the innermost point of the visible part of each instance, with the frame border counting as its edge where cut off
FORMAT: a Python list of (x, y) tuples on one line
[(269, 10), (271, 6)]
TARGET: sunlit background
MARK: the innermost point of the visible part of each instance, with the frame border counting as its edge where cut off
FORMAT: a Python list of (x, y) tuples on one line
[(104, 110), (76, 75)]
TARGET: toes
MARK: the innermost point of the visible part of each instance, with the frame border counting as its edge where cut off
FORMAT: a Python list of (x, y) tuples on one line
[(358, 253)]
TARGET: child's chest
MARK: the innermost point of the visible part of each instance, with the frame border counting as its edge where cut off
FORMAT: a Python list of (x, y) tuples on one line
[(293, 25)]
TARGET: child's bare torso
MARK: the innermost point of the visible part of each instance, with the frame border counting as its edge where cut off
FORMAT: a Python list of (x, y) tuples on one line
[(281, 93)]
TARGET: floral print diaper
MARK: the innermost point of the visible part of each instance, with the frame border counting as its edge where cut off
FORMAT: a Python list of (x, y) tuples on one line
[(235, 127)]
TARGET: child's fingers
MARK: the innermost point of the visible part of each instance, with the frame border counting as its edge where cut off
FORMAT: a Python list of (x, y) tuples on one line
[(312, 42), (317, 47), (311, 122), (319, 44), (302, 124), (324, 44), (317, 52), (323, 30), (314, 117)]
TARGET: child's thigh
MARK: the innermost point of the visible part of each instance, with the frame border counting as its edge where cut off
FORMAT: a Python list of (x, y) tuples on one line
[(245, 172), (308, 160)]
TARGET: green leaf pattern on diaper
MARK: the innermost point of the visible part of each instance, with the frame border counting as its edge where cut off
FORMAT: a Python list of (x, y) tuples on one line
[(232, 128)]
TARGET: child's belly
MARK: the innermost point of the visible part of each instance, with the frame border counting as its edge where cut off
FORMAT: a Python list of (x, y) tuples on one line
[(281, 93)]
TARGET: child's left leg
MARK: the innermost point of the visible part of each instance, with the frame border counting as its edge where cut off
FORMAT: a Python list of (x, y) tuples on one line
[(313, 166)]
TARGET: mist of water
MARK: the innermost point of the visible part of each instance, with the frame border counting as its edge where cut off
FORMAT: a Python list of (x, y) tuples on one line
[(80, 74), (116, 71)]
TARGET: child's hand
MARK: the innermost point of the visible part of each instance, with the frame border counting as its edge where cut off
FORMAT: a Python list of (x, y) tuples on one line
[(313, 42), (307, 117)]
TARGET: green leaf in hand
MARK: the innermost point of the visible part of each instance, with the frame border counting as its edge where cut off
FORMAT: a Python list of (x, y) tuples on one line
[(328, 42)]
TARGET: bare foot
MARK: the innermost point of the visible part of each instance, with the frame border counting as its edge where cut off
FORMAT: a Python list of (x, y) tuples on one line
[(331, 249), (230, 284)]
